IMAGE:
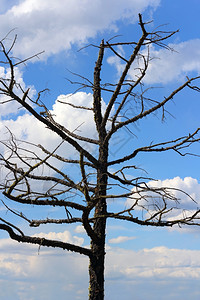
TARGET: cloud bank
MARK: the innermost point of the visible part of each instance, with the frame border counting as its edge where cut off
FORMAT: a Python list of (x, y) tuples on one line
[(53, 274)]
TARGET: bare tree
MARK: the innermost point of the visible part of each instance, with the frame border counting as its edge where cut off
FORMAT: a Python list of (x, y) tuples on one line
[(85, 200)]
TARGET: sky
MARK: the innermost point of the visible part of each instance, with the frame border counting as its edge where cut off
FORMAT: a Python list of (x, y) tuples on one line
[(141, 263)]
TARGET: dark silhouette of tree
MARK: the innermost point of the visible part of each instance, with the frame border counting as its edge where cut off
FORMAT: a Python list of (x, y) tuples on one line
[(85, 200)]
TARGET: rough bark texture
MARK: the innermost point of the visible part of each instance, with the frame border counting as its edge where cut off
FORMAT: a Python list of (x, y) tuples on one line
[(96, 268)]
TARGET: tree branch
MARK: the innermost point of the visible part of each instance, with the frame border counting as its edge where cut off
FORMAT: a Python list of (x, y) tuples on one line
[(45, 242), (124, 74), (149, 111)]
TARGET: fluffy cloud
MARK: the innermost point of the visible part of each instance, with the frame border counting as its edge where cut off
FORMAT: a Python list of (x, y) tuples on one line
[(166, 66), (77, 120), (55, 25), (26, 128)]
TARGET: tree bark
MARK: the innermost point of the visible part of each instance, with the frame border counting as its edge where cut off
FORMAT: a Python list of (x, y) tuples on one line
[(96, 267)]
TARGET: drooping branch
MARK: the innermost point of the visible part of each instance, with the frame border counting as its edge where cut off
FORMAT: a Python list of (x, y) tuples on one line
[(45, 242)]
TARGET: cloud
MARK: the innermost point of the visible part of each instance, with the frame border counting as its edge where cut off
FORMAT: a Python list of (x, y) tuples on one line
[(189, 185), (59, 274), (79, 121), (160, 262), (54, 26), (181, 189), (27, 128), (165, 66), (182, 199), (79, 229), (121, 239), (51, 274)]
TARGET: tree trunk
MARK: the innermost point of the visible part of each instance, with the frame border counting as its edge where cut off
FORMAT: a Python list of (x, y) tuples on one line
[(96, 267)]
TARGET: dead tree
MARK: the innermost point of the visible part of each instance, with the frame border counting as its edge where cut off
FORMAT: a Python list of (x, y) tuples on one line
[(85, 200)]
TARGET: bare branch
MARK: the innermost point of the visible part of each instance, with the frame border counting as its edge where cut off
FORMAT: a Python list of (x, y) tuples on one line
[(124, 73), (36, 223), (45, 242), (149, 111), (175, 145), (97, 89)]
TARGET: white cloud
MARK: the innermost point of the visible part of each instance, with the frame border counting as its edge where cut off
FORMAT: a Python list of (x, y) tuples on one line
[(166, 66), (54, 25), (187, 193), (121, 239), (79, 121)]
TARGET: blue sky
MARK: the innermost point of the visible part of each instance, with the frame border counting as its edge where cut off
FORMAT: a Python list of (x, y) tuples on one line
[(142, 263)]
